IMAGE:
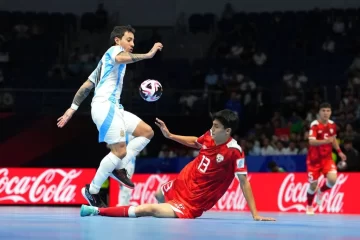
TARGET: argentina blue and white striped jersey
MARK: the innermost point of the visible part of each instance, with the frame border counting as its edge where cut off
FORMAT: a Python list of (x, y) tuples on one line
[(108, 77)]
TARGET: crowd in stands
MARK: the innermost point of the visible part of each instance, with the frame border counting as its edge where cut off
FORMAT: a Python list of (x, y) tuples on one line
[(278, 64)]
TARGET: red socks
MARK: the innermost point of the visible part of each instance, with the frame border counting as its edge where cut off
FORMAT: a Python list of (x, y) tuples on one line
[(122, 211), (324, 188), (310, 198)]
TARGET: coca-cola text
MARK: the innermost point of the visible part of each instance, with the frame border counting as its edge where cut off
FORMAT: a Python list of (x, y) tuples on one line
[(43, 186)]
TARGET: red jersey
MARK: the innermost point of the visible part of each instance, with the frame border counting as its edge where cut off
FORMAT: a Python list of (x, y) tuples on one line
[(205, 180), (321, 131)]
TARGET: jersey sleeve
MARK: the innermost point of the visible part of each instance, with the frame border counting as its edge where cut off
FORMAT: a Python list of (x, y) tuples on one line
[(335, 132), (96, 74), (115, 50), (201, 139), (239, 161), (313, 131)]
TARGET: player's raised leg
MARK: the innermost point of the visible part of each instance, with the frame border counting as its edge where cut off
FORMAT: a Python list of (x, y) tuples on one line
[(330, 172), (142, 134), (163, 210)]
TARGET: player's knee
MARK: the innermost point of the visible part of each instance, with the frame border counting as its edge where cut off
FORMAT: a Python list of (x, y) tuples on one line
[(118, 149), (148, 132), (331, 181), (313, 186), (144, 130), (146, 210)]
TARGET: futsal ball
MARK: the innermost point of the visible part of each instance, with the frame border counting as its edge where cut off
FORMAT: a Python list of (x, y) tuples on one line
[(150, 90), (341, 165)]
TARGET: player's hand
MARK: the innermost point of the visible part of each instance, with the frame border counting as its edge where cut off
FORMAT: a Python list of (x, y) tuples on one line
[(330, 139), (155, 48), (259, 218), (342, 156), (165, 131), (65, 118)]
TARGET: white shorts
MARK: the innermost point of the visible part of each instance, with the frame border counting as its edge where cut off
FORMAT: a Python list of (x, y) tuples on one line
[(113, 122)]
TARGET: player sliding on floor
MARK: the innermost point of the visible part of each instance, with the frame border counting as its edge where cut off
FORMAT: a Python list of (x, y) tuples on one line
[(202, 182)]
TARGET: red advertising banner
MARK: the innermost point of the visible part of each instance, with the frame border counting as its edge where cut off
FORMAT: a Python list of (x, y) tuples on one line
[(275, 192), (43, 185)]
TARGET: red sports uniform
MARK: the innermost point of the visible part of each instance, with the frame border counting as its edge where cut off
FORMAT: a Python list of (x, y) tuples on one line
[(319, 158), (205, 179)]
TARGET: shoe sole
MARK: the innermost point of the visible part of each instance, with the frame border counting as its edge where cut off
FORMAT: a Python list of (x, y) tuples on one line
[(84, 195), (116, 179), (81, 211)]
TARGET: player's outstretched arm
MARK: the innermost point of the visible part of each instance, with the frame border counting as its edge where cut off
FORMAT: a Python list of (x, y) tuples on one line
[(126, 57), (248, 194), (80, 96), (188, 141)]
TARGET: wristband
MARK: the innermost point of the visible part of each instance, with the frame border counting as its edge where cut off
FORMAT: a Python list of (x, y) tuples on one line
[(338, 150), (74, 106)]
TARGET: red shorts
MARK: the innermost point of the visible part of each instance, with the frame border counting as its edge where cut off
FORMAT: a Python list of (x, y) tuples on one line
[(315, 169), (181, 208)]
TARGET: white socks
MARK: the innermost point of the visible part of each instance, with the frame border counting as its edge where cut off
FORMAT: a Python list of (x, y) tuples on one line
[(124, 196), (134, 147), (110, 162), (131, 212), (125, 193), (311, 192), (107, 165)]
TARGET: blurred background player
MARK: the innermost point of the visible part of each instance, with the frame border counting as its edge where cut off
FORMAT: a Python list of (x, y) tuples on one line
[(108, 114), (125, 192), (322, 138), (202, 182)]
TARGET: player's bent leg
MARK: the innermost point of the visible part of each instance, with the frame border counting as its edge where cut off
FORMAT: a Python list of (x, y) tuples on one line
[(107, 165), (330, 172), (331, 178), (120, 174), (163, 210), (143, 134), (119, 149), (143, 130), (328, 184)]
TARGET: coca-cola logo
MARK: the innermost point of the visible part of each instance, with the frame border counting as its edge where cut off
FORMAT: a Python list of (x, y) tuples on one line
[(144, 192), (41, 188), (292, 195)]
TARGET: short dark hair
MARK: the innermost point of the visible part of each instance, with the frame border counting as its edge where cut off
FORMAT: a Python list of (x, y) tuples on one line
[(272, 164), (228, 118), (325, 105), (119, 32)]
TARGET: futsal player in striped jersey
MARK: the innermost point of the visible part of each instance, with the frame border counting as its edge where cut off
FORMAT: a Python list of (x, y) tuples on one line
[(108, 114)]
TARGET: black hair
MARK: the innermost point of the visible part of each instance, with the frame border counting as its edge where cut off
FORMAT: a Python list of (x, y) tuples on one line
[(228, 118), (272, 164), (119, 32), (325, 105)]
